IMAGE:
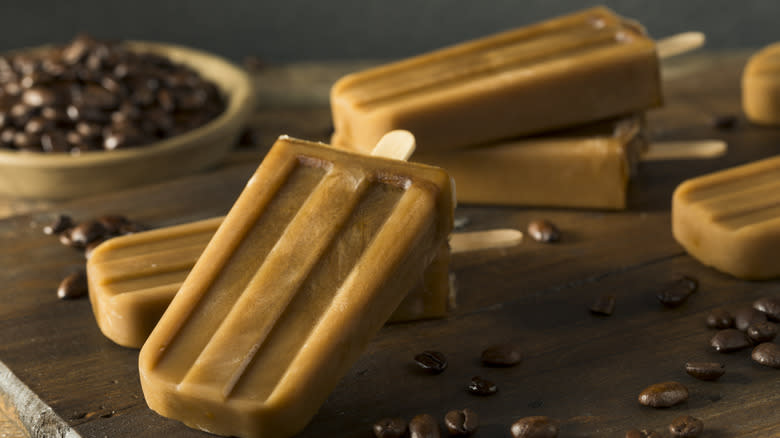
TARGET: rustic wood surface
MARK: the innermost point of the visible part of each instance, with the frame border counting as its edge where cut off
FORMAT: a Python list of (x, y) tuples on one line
[(583, 370)]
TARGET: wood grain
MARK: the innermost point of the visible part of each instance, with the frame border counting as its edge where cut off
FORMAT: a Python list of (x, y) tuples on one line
[(584, 370)]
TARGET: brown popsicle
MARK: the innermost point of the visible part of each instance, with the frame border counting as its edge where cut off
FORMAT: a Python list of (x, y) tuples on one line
[(587, 167), (583, 67), (761, 86), (312, 259), (133, 278), (730, 219)]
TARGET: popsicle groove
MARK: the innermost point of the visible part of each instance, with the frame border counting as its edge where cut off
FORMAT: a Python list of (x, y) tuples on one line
[(325, 280), (239, 270), (270, 290), (715, 187)]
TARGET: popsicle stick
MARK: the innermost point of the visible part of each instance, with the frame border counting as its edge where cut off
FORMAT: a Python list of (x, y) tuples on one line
[(479, 240), (678, 44), (685, 150), (398, 145)]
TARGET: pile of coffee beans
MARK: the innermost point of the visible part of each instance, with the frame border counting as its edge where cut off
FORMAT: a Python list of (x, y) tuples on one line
[(99, 95)]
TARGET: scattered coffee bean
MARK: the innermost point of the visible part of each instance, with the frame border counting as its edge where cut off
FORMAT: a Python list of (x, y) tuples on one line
[(603, 305), (86, 232), (390, 428), (686, 427), (644, 433), (725, 122), (767, 354), (432, 361), (720, 319), (502, 355), (463, 422), (728, 340), (705, 370), (62, 223), (73, 286), (534, 427), (676, 291), (480, 386), (663, 395), (770, 306), (424, 426), (542, 230), (744, 317), (762, 332), (114, 223)]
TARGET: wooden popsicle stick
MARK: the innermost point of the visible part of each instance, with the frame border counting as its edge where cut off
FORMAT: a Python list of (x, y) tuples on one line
[(479, 240), (678, 44), (398, 144), (684, 150)]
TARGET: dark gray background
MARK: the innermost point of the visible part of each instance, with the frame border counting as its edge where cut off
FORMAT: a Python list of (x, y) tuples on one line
[(300, 30)]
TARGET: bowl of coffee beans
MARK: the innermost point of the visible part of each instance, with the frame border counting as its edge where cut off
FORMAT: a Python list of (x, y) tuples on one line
[(94, 116)]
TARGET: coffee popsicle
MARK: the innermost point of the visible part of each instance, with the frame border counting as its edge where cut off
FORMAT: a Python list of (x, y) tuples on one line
[(133, 278), (730, 219), (761, 86), (586, 167), (319, 249), (579, 68)]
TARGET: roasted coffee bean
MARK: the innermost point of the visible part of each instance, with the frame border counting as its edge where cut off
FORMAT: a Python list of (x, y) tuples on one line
[(502, 355), (73, 286), (676, 291), (720, 319), (462, 423), (663, 395), (725, 122), (744, 317), (28, 142), (480, 386), (37, 125), (39, 96), (432, 361), (114, 223), (769, 306), (705, 370), (728, 340), (762, 332), (62, 223), (424, 426), (686, 426), (767, 354), (90, 247), (543, 231), (86, 232), (644, 433), (603, 305), (390, 428), (534, 427)]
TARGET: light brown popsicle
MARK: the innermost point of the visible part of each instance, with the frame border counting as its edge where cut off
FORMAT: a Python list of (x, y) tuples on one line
[(730, 219), (583, 67), (761, 86), (318, 250), (133, 278), (587, 167)]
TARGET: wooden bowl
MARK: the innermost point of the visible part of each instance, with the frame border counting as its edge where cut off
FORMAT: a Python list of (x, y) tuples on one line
[(62, 176)]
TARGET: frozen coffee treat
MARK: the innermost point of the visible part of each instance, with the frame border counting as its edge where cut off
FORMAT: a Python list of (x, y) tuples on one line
[(313, 258), (761, 86), (730, 219), (588, 66)]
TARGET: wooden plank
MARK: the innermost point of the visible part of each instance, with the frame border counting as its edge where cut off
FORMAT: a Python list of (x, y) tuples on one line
[(584, 370)]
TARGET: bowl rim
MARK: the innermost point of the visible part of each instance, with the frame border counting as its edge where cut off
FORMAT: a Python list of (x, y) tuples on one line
[(240, 95)]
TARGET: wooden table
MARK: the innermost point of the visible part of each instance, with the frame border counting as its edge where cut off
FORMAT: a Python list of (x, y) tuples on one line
[(583, 370)]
